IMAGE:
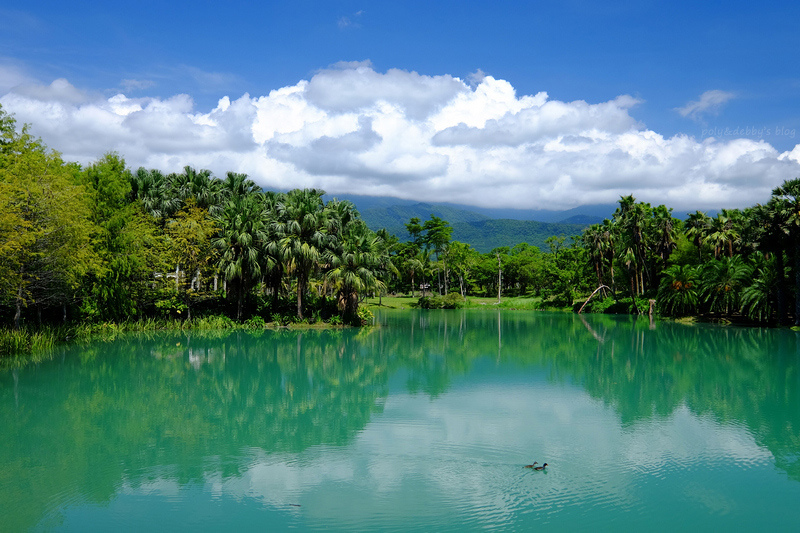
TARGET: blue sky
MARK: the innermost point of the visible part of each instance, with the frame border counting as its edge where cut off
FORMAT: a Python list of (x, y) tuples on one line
[(640, 94)]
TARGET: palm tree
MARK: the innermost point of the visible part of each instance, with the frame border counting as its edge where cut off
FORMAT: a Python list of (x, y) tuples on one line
[(697, 227), (758, 297), (238, 184), (242, 232), (437, 237), (153, 190), (769, 230), (608, 237), (272, 263), (301, 228), (678, 292), (412, 266), (354, 265), (387, 244), (339, 214), (664, 229), (723, 282), (630, 217), (594, 243), (724, 231), (198, 185), (787, 205)]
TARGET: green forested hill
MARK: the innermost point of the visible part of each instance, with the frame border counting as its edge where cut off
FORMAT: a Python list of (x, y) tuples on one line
[(485, 235), (475, 229), (395, 216)]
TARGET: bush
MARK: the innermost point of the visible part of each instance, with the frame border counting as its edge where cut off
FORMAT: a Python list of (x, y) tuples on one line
[(608, 305), (451, 301), (255, 322), (365, 316), (281, 319), (211, 322)]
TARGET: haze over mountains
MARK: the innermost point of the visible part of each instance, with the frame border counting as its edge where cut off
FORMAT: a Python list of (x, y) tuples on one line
[(482, 228)]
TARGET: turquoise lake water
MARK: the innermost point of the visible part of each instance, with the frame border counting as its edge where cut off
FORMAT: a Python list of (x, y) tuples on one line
[(423, 423)]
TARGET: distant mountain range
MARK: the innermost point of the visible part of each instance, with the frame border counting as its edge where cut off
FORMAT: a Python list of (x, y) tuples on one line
[(482, 228)]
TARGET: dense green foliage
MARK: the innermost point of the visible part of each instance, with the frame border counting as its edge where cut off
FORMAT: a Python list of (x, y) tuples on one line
[(441, 270), (104, 243), (735, 265)]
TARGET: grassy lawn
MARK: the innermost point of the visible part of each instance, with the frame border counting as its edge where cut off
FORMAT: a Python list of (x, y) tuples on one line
[(519, 302), (392, 302)]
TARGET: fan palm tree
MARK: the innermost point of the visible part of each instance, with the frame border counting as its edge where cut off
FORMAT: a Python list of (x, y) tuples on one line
[(770, 231), (630, 217), (664, 230)]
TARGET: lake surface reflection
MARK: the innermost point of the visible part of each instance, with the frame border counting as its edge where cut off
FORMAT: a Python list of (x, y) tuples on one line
[(423, 423)]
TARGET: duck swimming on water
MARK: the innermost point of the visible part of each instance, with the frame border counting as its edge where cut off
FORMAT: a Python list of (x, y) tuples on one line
[(540, 467), (533, 465)]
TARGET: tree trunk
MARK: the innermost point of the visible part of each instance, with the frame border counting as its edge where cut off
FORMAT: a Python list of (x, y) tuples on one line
[(240, 302), (18, 311), (499, 277), (781, 296), (633, 297), (446, 275), (301, 285), (613, 283), (590, 297)]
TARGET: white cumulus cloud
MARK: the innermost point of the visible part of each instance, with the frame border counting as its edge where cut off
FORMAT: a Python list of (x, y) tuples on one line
[(350, 129)]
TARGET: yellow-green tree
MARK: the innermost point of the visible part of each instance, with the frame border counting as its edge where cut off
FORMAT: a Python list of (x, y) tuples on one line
[(189, 235), (45, 228)]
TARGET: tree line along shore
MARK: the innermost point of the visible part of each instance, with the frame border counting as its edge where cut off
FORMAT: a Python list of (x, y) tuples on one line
[(82, 247)]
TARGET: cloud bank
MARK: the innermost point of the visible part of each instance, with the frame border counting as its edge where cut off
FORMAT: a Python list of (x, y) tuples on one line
[(353, 130)]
